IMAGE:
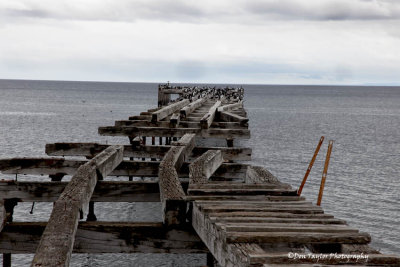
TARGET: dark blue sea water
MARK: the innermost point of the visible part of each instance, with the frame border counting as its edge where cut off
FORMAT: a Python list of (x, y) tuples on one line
[(286, 123)]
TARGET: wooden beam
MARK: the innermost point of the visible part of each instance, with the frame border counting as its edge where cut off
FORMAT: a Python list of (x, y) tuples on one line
[(260, 175), (192, 106), (55, 246), (173, 132), (168, 110), (105, 191), (171, 192), (182, 123), (50, 166), (231, 117), (230, 107), (204, 166), (174, 120), (208, 118), (159, 151), (107, 237)]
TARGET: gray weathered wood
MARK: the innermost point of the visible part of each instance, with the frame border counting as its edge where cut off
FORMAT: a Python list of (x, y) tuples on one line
[(231, 117), (192, 106), (204, 166), (171, 192), (107, 237), (49, 166), (208, 118), (173, 132), (182, 123), (105, 191), (230, 107), (260, 175), (174, 120), (55, 246), (154, 151), (168, 110), (273, 192)]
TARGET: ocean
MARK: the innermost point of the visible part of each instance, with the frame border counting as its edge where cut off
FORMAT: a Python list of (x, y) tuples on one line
[(286, 123)]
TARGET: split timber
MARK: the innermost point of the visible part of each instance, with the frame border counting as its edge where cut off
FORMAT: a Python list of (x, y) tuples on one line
[(212, 202)]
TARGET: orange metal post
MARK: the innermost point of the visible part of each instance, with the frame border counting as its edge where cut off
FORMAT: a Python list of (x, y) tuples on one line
[(321, 140), (324, 173)]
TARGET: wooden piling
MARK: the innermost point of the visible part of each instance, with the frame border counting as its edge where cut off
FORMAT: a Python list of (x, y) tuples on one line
[(321, 140), (324, 173)]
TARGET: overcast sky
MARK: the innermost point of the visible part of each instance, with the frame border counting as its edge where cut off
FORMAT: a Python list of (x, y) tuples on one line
[(235, 41)]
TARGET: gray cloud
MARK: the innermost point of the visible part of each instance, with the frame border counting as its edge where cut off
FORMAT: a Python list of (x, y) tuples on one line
[(205, 11)]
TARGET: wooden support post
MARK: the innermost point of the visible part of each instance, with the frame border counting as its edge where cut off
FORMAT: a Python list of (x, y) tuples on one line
[(7, 212), (55, 246), (91, 217), (144, 144), (325, 172), (229, 142), (56, 177), (204, 166), (321, 140), (153, 143), (7, 260)]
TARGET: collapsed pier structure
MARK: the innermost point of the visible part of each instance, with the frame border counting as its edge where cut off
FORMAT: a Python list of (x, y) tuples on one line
[(213, 201)]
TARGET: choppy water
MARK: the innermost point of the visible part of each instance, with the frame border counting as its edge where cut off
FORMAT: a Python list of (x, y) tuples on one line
[(286, 123)]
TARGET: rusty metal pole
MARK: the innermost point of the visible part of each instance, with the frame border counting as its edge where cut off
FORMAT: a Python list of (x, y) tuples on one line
[(325, 172), (321, 140)]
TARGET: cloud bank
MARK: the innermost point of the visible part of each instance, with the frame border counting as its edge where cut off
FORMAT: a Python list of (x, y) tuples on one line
[(309, 41)]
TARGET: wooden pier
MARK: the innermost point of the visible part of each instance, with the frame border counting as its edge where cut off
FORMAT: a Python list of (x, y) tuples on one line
[(213, 200)]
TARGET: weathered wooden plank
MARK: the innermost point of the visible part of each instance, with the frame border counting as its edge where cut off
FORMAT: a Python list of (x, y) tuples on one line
[(229, 185), (168, 110), (230, 107), (182, 123), (92, 149), (297, 237), (268, 214), (258, 259), (105, 191), (140, 117), (208, 118), (171, 192), (288, 228), (277, 220), (204, 166), (173, 132), (55, 246), (245, 198), (280, 192), (192, 106), (107, 237), (231, 117), (50, 166), (260, 175), (300, 209)]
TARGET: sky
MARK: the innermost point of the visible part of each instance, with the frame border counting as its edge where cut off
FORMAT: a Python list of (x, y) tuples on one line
[(354, 42)]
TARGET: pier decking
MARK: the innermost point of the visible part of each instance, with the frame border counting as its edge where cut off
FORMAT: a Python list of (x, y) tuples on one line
[(213, 200)]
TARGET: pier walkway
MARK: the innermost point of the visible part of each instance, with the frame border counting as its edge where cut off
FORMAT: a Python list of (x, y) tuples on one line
[(212, 200)]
